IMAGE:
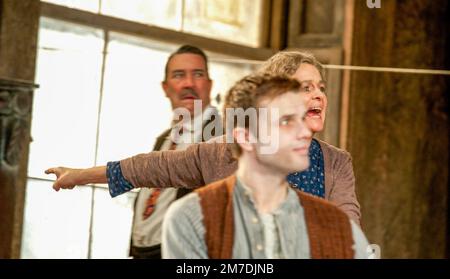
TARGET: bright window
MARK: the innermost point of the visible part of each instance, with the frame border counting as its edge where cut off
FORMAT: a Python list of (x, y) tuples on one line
[(167, 13), (87, 5), (100, 99), (235, 21)]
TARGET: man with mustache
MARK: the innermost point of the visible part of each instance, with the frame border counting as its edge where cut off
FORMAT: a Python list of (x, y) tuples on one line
[(186, 82)]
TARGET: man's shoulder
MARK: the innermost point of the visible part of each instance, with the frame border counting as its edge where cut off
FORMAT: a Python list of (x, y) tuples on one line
[(307, 199), (184, 206), (314, 199), (218, 187), (161, 139), (164, 134)]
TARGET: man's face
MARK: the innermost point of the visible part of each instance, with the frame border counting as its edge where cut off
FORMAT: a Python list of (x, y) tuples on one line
[(313, 89), (187, 80), (294, 135)]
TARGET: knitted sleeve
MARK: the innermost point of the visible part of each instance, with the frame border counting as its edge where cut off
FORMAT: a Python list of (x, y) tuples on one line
[(198, 165), (344, 195)]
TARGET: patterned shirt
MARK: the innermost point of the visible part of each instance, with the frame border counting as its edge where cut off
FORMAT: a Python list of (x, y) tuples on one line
[(117, 183), (310, 181)]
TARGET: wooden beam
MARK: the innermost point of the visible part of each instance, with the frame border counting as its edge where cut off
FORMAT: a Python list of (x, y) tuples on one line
[(278, 25), (152, 32), (345, 97)]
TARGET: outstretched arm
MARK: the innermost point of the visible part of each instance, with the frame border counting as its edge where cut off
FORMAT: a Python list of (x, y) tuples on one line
[(67, 178), (198, 165)]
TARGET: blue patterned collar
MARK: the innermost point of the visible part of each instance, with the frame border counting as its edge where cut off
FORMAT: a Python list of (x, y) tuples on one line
[(311, 180)]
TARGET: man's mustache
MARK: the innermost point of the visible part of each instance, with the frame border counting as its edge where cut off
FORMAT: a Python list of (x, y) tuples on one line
[(189, 92)]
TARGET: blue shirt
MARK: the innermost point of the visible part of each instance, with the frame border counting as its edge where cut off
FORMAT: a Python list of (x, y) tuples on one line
[(310, 181)]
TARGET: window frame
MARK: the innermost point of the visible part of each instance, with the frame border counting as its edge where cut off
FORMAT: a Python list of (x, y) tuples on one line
[(108, 23)]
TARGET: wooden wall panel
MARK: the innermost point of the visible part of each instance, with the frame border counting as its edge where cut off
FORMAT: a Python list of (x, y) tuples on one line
[(398, 126), (18, 42), (315, 23), (317, 26)]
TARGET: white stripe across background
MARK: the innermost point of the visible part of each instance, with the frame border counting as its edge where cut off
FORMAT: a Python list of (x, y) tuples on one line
[(349, 67)]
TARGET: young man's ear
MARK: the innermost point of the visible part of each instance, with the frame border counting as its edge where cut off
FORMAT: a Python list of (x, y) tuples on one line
[(244, 138)]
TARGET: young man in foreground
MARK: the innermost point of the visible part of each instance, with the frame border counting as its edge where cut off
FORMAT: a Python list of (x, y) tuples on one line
[(254, 213)]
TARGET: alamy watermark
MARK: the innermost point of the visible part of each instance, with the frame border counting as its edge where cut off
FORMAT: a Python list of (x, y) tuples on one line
[(373, 4), (262, 122)]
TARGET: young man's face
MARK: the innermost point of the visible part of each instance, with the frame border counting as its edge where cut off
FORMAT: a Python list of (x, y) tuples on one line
[(313, 89), (187, 80), (294, 136)]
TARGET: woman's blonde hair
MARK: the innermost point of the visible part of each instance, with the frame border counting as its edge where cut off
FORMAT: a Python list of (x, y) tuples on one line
[(287, 63)]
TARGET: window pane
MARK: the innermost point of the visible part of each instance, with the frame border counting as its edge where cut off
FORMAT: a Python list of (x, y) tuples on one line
[(111, 231), (236, 21), (134, 108), (87, 5), (56, 224), (225, 73), (65, 106), (165, 13)]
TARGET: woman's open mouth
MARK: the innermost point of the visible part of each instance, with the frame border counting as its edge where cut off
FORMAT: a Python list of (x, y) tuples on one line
[(314, 112)]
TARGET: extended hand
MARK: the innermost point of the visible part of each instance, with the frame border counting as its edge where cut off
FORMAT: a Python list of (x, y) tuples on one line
[(66, 178)]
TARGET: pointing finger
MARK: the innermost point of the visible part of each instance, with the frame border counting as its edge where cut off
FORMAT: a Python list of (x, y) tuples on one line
[(56, 186)]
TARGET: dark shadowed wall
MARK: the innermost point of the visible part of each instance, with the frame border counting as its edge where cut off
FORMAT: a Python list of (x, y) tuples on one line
[(398, 126)]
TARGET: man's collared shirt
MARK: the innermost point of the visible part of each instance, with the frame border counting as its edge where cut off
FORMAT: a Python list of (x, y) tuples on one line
[(184, 231), (147, 232)]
